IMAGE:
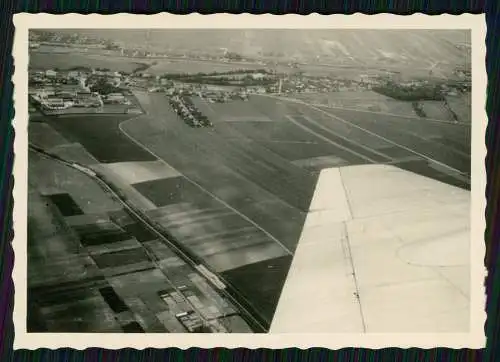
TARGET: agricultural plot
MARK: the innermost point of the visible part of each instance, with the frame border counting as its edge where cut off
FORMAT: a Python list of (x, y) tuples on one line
[(96, 133), (81, 314), (361, 100), (214, 232), (74, 152), (264, 292), (234, 111), (61, 277), (44, 136), (415, 136), (137, 172), (187, 66), (436, 110), (461, 105)]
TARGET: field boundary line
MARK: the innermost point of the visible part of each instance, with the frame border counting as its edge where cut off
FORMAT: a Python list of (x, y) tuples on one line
[(326, 139), (378, 136), (327, 130), (463, 154), (366, 111), (288, 251)]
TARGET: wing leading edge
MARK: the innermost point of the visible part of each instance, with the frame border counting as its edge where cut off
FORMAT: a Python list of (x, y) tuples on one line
[(382, 250)]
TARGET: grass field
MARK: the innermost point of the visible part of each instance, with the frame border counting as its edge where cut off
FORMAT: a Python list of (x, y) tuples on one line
[(461, 105), (44, 136), (74, 152), (137, 172), (96, 132), (50, 177), (417, 135), (373, 102)]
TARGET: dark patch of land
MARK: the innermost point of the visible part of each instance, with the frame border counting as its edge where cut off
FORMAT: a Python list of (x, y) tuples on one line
[(101, 136), (133, 327), (414, 135), (103, 237), (113, 300), (66, 205), (261, 283), (141, 233), (170, 191), (119, 258)]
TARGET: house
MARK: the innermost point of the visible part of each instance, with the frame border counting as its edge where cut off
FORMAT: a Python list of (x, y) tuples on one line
[(170, 91), (66, 96), (53, 103), (116, 98), (74, 74), (258, 76), (50, 73)]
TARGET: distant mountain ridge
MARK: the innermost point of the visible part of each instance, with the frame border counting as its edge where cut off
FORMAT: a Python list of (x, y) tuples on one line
[(345, 46)]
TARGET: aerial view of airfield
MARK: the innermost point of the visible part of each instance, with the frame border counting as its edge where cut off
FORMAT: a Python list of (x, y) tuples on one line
[(249, 181)]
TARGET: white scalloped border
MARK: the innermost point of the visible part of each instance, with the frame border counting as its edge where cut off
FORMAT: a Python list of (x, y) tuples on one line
[(475, 339)]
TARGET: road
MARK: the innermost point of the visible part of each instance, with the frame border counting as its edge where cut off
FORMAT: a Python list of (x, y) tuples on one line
[(217, 281)]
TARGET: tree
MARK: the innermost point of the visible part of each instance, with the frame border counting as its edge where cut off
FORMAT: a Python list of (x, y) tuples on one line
[(103, 87)]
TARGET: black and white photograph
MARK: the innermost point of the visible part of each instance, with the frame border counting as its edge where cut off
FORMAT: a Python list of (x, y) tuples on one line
[(250, 181)]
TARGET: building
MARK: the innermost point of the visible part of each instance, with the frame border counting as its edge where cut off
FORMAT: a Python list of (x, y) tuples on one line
[(50, 73), (116, 98), (191, 321), (258, 76), (53, 103)]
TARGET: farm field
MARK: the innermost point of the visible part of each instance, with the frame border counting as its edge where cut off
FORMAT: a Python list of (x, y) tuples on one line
[(82, 262), (43, 135), (426, 138), (370, 101), (461, 105), (50, 177), (96, 132)]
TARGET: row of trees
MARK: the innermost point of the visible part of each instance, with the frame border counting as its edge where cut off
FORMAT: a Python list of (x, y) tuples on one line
[(222, 81), (414, 94), (178, 76)]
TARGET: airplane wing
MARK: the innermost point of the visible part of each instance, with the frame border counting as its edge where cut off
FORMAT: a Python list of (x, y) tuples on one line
[(382, 250)]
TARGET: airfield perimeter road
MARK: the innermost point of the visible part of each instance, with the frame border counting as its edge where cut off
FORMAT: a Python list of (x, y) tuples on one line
[(232, 295)]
